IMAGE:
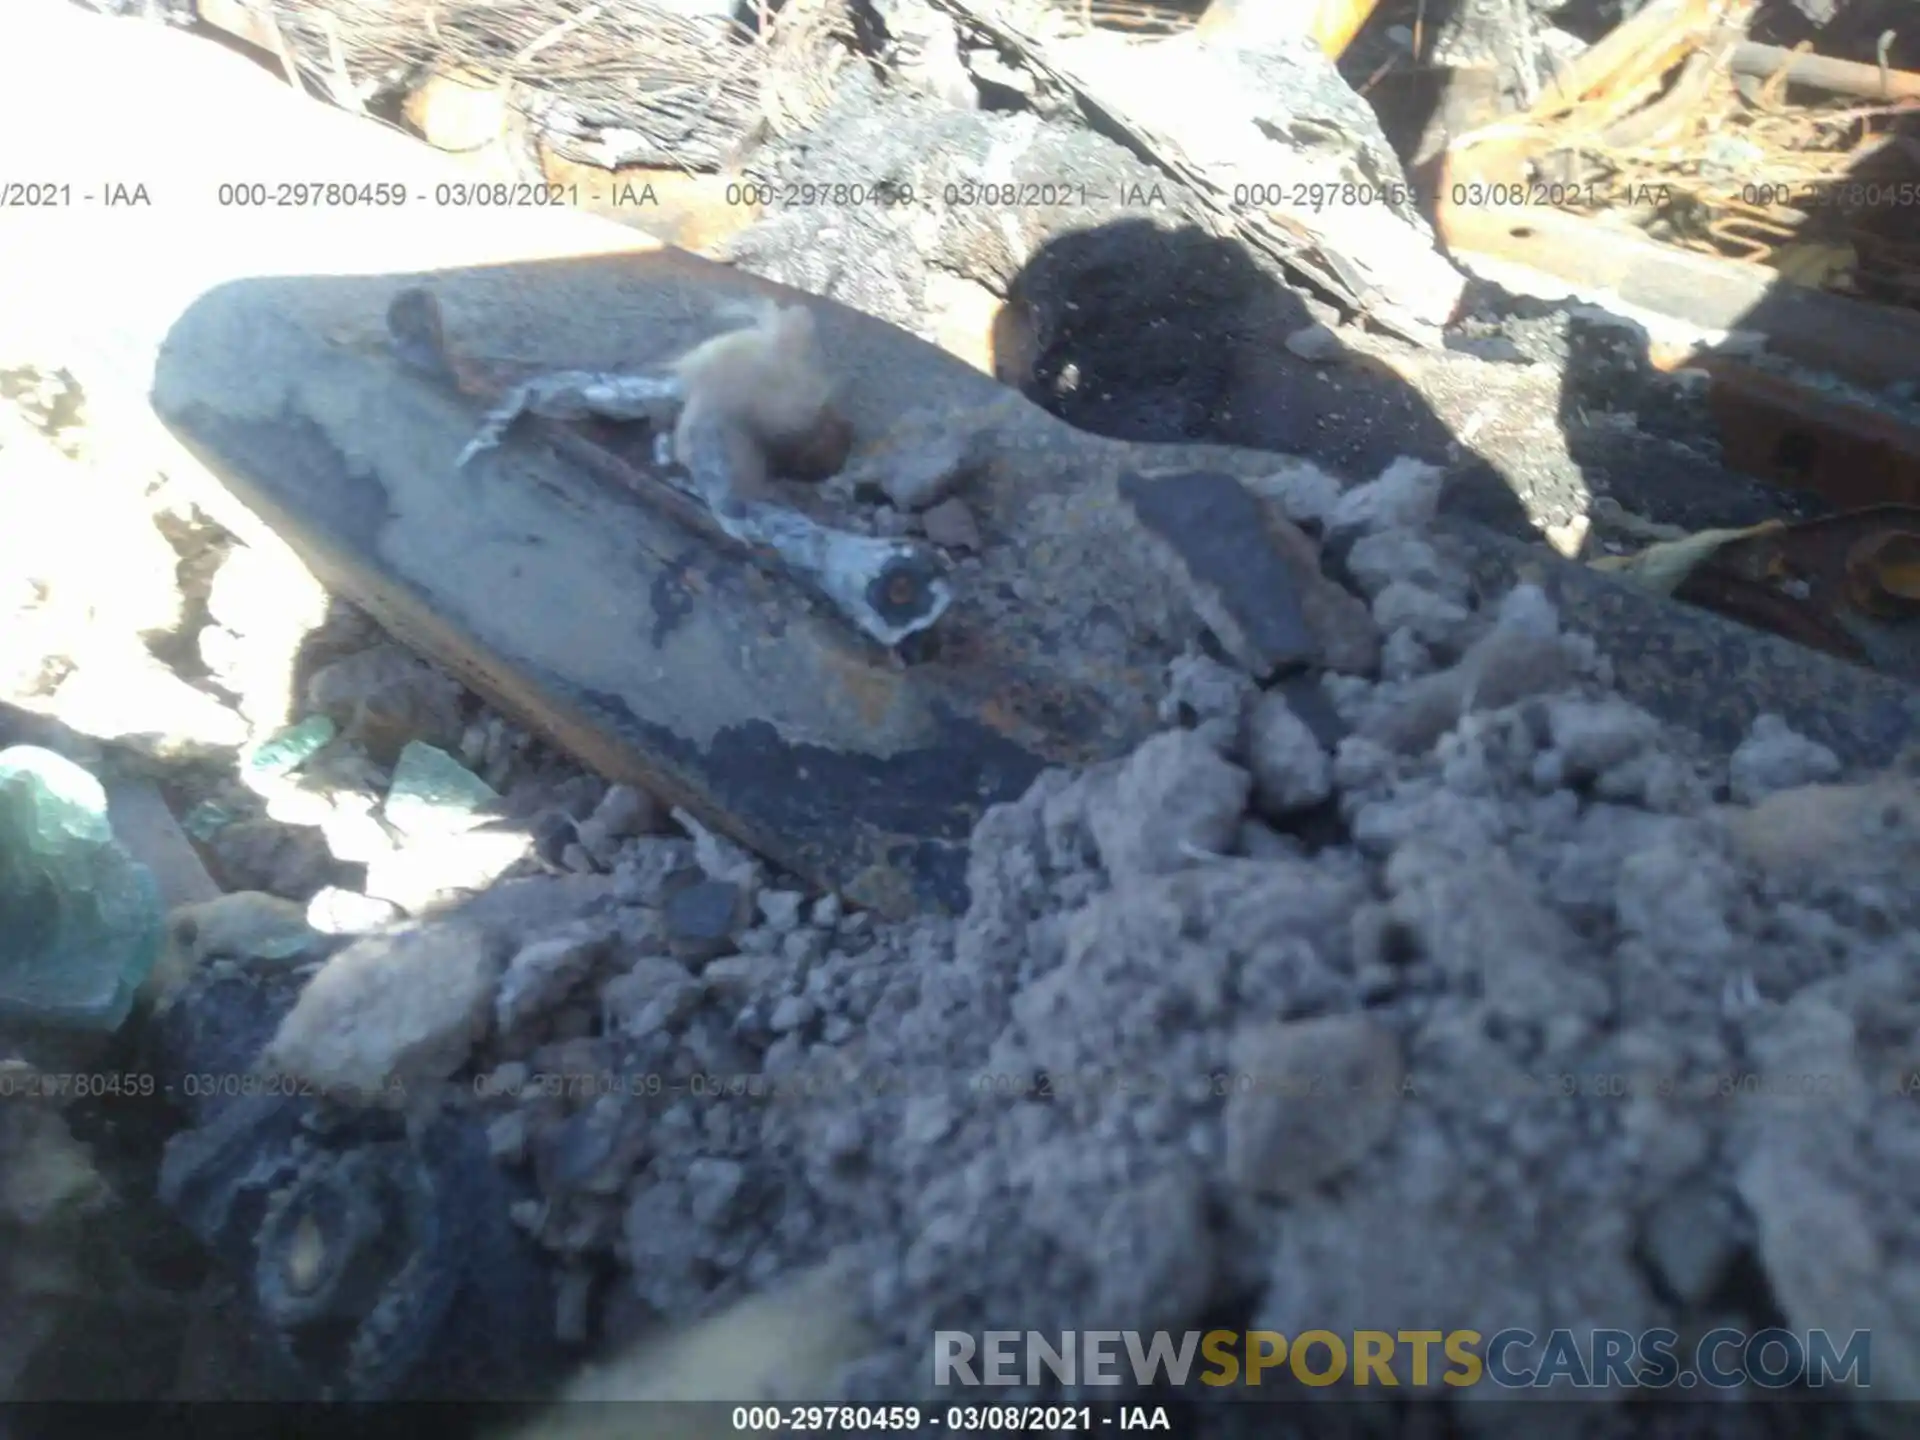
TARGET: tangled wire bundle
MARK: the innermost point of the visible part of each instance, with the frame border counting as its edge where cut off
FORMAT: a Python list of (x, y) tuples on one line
[(611, 82)]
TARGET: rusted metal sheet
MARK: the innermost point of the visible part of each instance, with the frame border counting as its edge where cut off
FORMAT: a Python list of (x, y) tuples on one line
[(1800, 437), (1846, 584)]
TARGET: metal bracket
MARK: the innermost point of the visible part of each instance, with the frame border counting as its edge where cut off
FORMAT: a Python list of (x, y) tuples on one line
[(889, 589)]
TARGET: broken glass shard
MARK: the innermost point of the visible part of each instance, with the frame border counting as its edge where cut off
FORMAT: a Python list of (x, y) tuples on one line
[(434, 794), (80, 919), (286, 751)]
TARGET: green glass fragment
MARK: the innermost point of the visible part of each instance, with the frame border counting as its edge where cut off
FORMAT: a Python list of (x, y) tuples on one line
[(80, 919), (434, 794), (206, 820), (287, 750)]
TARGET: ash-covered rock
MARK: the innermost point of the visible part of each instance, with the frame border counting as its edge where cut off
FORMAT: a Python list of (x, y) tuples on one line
[(392, 1010)]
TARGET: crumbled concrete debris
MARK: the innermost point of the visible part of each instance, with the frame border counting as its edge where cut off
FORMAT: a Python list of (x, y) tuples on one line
[(1521, 877), (392, 1012), (1406, 495), (1307, 1100), (1521, 655), (1075, 1098), (1291, 771), (702, 918), (594, 1149), (49, 1173), (1399, 555), (1432, 619), (1833, 837), (1527, 610), (554, 840), (1258, 840), (781, 909), (1828, 1241), (658, 994), (507, 1134), (491, 746), (1194, 796), (1086, 1105), (1693, 1238), (1591, 737), (623, 812), (1478, 920), (1403, 657), (542, 974), (1674, 894), (719, 858), (524, 909), (244, 925), (1775, 757), (1203, 693), (1305, 493), (889, 523), (652, 866)]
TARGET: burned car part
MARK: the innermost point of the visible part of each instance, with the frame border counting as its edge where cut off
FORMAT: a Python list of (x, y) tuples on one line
[(372, 1253)]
